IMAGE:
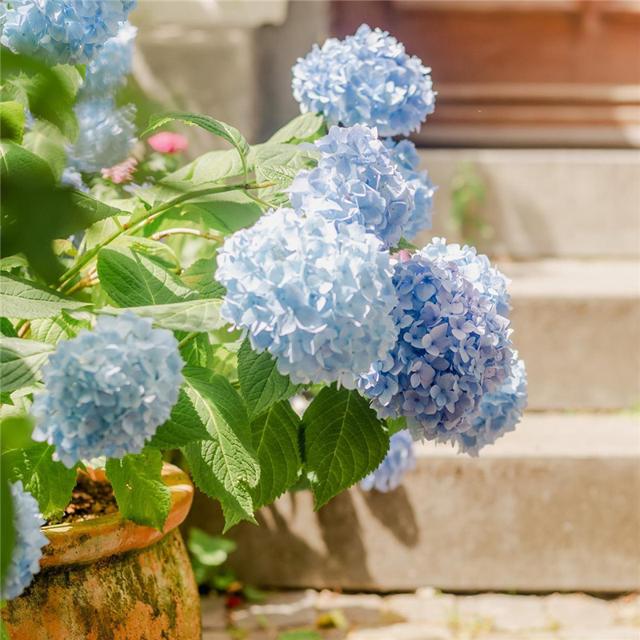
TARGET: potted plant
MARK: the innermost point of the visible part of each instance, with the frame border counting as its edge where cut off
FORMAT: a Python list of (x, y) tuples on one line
[(154, 310)]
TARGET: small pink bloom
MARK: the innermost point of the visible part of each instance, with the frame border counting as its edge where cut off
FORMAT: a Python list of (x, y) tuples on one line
[(122, 172), (404, 255), (168, 142)]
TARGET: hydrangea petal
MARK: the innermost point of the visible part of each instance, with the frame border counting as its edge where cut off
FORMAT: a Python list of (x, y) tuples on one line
[(107, 390), (317, 299), (399, 460), (366, 78), (29, 542)]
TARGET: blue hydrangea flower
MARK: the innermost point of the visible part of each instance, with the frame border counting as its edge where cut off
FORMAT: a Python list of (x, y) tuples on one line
[(404, 154), (109, 69), (108, 390), (72, 178), (29, 541), (62, 31), (367, 79), (400, 459), (107, 135), (453, 346), (500, 412), (317, 299), (356, 181)]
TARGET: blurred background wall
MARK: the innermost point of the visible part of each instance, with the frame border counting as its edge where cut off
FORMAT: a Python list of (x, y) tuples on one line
[(534, 147)]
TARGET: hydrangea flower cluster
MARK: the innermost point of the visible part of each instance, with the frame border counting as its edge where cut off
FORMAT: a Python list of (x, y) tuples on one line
[(29, 541), (400, 459), (107, 390), (404, 154), (500, 412), (367, 78), (108, 70), (107, 135), (453, 346), (357, 181), (318, 299), (61, 31)]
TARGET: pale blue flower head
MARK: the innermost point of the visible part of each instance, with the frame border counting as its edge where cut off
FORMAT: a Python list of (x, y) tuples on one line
[(72, 178), (108, 390), (356, 181), (62, 31), (318, 299), (405, 156), (107, 135), (453, 346), (29, 541), (500, 412), (109, 69), (399, 459), (367, 79)]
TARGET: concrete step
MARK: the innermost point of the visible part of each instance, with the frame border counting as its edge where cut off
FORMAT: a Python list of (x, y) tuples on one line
[(546, 202), (554, 505), (577, 325)]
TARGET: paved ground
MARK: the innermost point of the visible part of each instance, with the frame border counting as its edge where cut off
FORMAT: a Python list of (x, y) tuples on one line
[(425, 615)]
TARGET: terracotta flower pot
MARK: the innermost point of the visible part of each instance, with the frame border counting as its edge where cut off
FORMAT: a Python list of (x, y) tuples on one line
[(110, 579)]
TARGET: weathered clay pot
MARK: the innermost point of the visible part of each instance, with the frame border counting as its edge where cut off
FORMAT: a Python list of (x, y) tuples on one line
[(110, 579)]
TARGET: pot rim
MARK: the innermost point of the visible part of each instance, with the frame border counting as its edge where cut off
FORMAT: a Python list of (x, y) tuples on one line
[(86, 541)]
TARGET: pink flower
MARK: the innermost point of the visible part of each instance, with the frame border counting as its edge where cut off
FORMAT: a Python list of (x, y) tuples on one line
[(122, 172), (168, 142)]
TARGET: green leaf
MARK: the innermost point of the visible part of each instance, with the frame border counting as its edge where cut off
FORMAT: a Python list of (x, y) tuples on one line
[(200, 276), (224, 465), (131, 279), (7, 532), (26, 300), (49, 92), (49, 481), (280, 163), (216, 127), (343, 440), (213, 166), (46, 141), (225, 212), (211, 551), (137, 483), (36, 209), (261, 383), (275, 437), (191, 315), (304, 128), (62, 327), (184, 425), (21, 361), (197, 350), (237, 505), (7, 329), (11, 120), (15, 429)]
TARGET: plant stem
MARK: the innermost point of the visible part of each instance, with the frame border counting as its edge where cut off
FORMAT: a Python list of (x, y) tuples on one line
[(187, 231), (145, 218), (187, 338)]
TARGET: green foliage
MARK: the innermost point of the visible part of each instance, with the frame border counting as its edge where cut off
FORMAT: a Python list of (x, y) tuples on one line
[(208, 555), (224, 465), (21, 361), (140, 492), (216, 127), (200, 276), (133, 279), (343, 442), (7, 533), (46, 141), (36, 210), (300, 634), (49, 481), (261, 383), (48, 92), (468, 195), (275, 438), (304, 128), (11, 121), (20, 298)]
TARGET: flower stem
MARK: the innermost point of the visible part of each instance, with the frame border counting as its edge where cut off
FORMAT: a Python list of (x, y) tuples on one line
[(186, 231), (148, 216)]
